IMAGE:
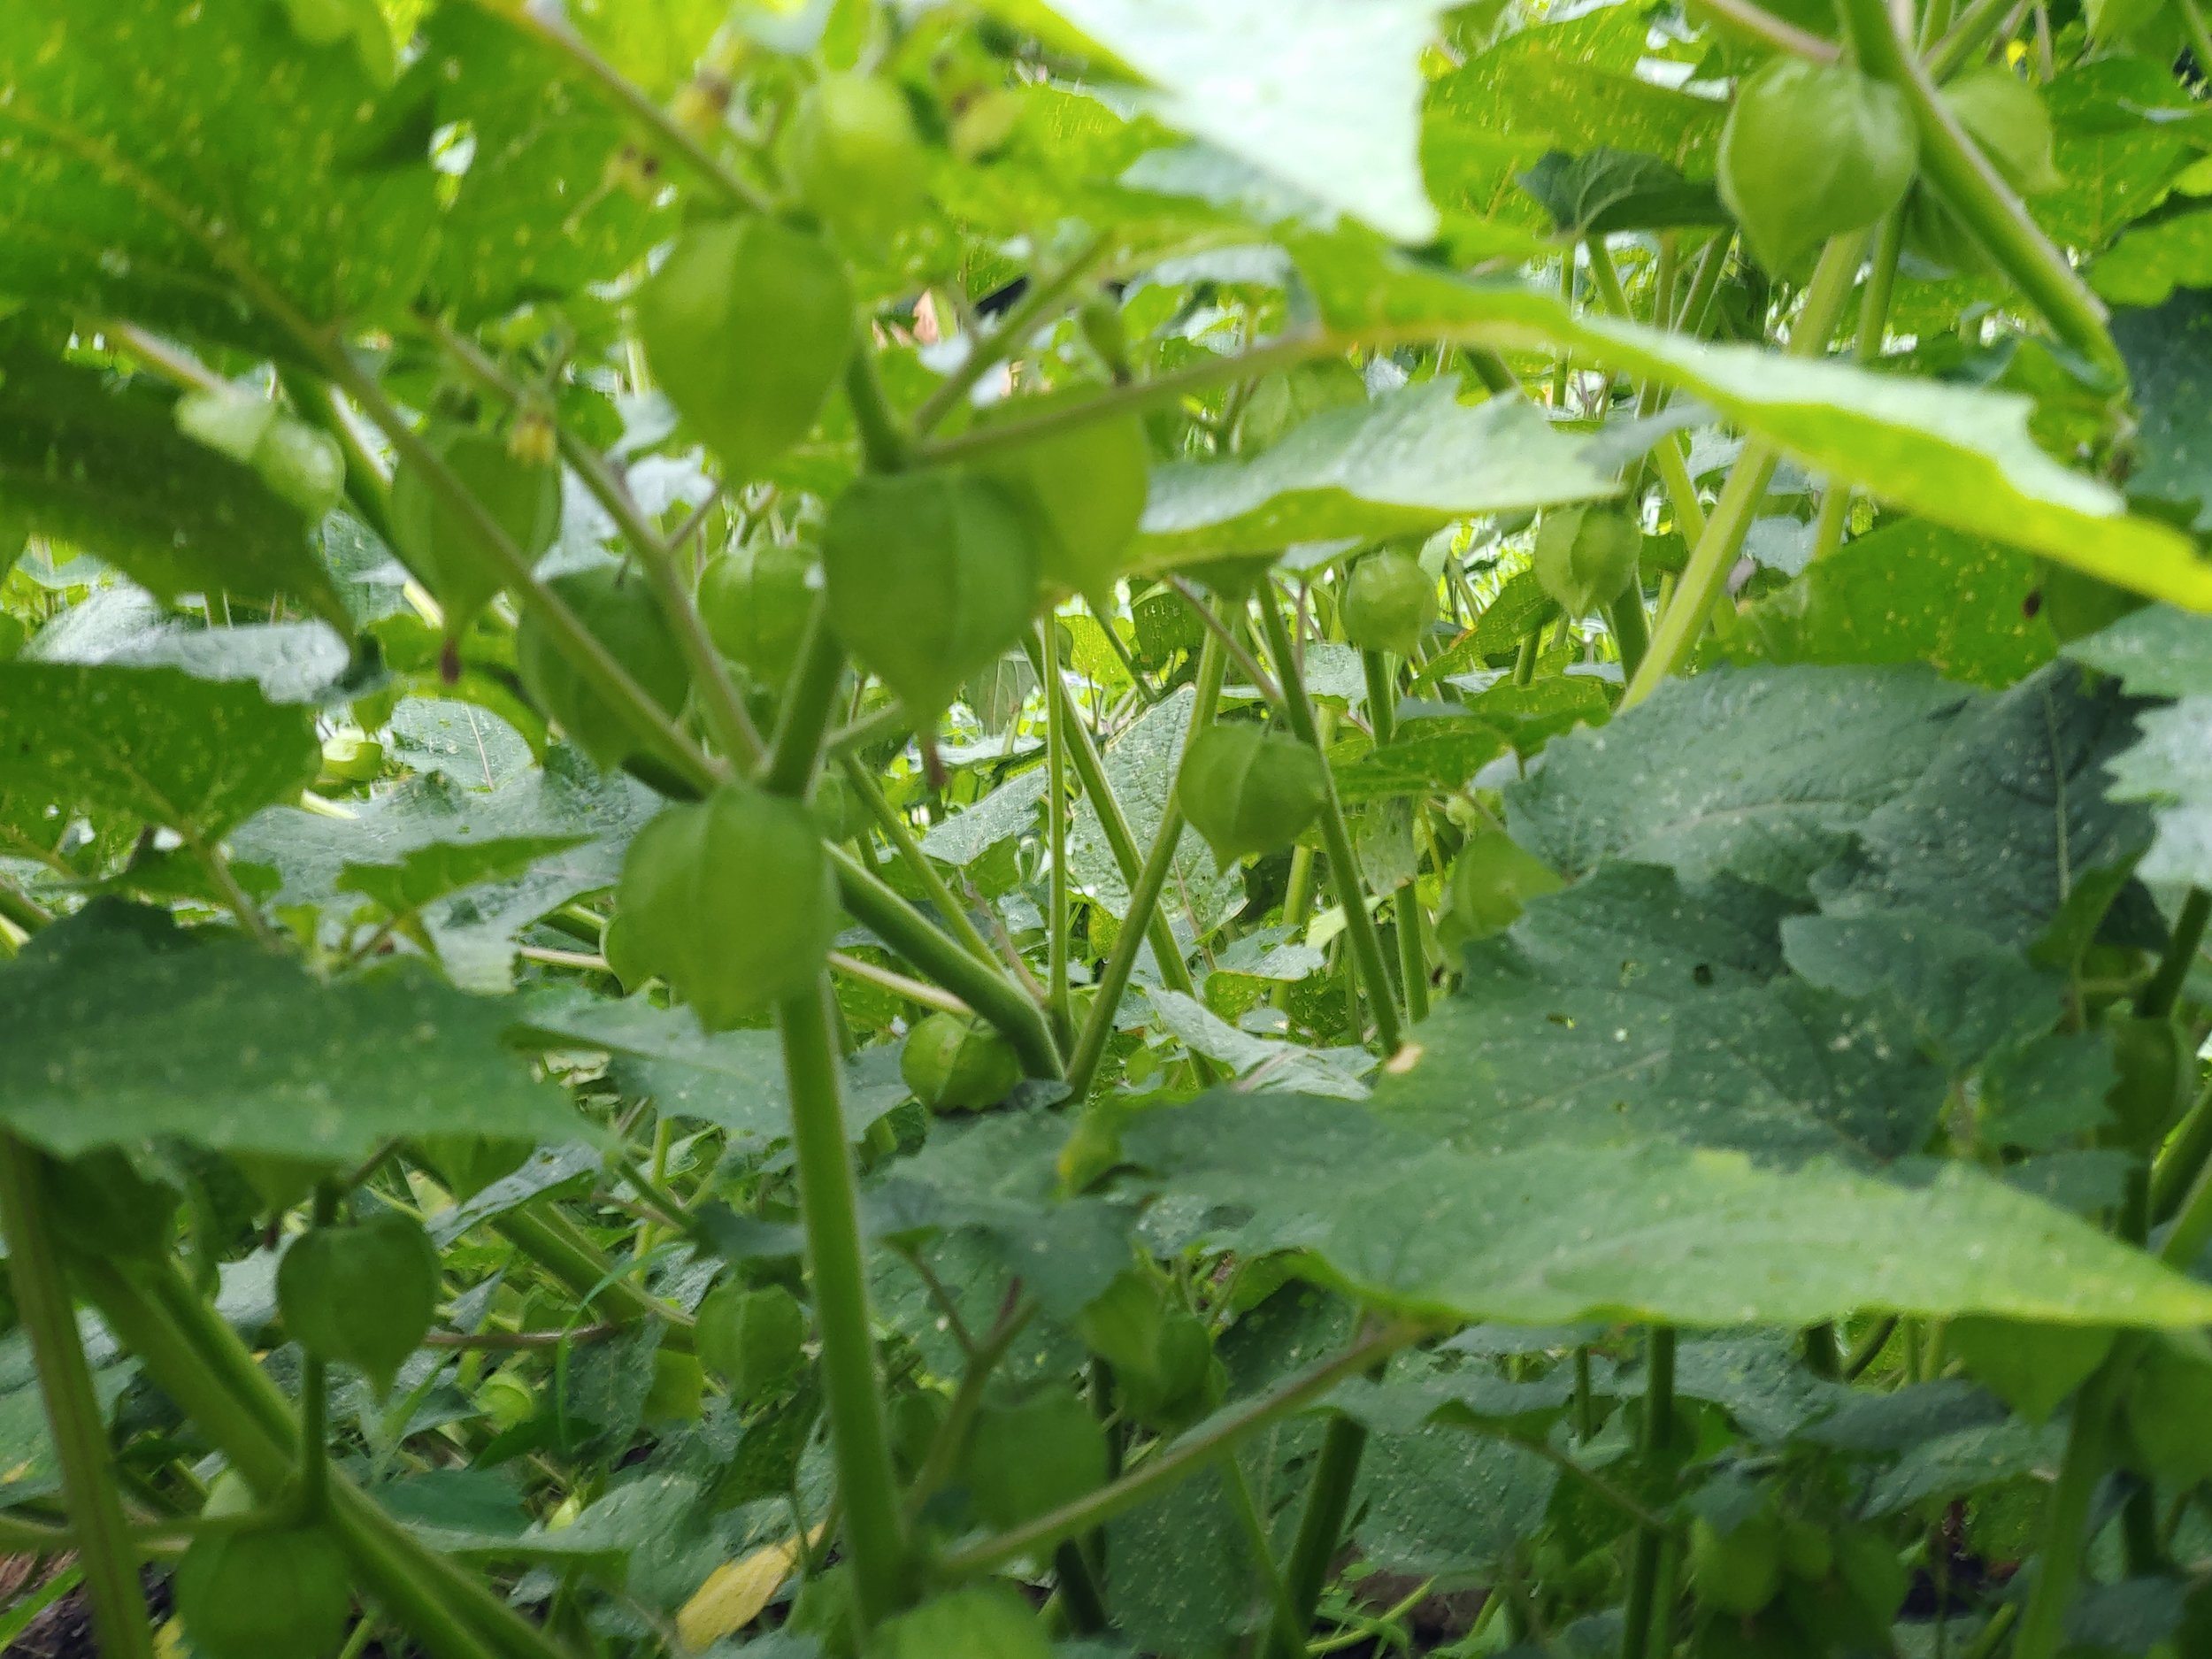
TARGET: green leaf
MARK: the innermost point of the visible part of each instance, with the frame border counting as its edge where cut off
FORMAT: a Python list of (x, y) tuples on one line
[(292, 662), (1402, 464), (120, 1027), (1322, 96), (1606, 189), (519, 228), (1762, 774), (1335, 1073), (2008, 822), (654, 43), (464, 742), (2156, 652), (1623, 1011), (1910, 592), (2171, 770), (1009, 811), (998, 1174), (1962, 998), (1688, 1237), (102, 466), (2150, 262), (189, 755), (28, 1465), (1519, 608), (1569, 86), (474, 933), (732, 1079), (125, 198), (424, 874), (1959, 456), (1437, 758), (2168, 354)]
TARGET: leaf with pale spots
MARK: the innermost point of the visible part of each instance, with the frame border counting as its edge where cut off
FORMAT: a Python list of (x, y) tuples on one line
[(1671, 1235), (120, 1027), (123, 197), (192, 756)]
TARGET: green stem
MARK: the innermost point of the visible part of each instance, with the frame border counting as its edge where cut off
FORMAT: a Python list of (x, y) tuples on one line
[(1321, 1523), (314, 1450), (1716, 549), (1966, 37), (1712, 264), (1174, 1462), (1866, 345), (1344, 870), (1144, 895), (2158, 997), (1563, 371), (78, 1426), (1055, 832), (1289, 1634), (829, 1208), (2181, 1160), (1160, 390), (606, 677), (559, 1246), (884, 445), (2066, 1511), (808, 703), (1413, 956), (719, 698), (1045, 296), (1090, 771), (1632, 628), (1008, 1009), (1079, 1590), (900, 833), (1382, 696), (1644, 1563), (1963, 178), (200, 1364), (2199, 37), (640, 106), (368, 491)]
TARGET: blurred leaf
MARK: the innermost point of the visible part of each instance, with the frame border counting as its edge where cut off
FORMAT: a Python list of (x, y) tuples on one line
[(1402, 464), (102, 466), (193, 756), (1959, 456), (1603, 190), (1690, 1237), (121, 1028), (123, 198), (1325, 98), (1762, 773), (1909, 592)]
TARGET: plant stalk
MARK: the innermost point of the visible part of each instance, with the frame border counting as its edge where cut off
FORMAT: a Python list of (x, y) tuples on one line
[(1344, 870), (1964, 179), (1090, 771), (73, 1409), (1144, 894), (1181, 1458), (1716, 549), (829, 1208)]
